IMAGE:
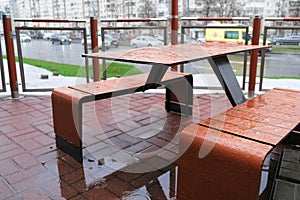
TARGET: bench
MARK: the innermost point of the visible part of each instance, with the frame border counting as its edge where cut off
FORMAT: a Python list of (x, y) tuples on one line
[(67, 103), (223, 156)]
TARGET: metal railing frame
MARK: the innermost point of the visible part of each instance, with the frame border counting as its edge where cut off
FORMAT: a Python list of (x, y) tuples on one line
[(266, 28), (207, 19), (3, 89), (19, 49), (105, 28)]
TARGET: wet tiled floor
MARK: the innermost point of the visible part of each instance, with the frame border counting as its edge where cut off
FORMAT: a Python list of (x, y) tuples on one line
[(131, 148)]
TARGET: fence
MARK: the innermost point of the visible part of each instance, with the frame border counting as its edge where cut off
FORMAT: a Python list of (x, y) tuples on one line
[(132, 31), (2, 75), (286, 41), (190, 20), (38, 54), (40, 49)]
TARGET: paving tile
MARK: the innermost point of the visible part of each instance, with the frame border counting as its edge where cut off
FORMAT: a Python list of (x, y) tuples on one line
[(59, 189), (44, 139), (21, 132), (22, 174), (14, 150), (45, 128), (25, 160), (29, 144), (138, 147), (99, 193), (35, 195), (33, 168), (73, 176), (8, 128), (118, 187), (4, 140), (43, 150), (5, 190), (7, 167), (47, 157), (26, 136), (33, 182)]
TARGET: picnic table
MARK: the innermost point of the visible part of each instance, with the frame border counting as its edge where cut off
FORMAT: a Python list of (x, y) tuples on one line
[(163, 57), (67, 101)]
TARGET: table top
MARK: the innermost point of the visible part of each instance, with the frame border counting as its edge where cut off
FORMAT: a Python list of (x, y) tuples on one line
[(174, 54)]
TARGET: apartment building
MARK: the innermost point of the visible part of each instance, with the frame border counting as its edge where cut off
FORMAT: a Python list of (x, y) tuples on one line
[(83, 9)]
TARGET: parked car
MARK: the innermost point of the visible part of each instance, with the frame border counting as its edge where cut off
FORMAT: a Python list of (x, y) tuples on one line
[(201, 40), (286, 40), (113, 41), (275, 40), (25, 38), (60, 39), (159, 37), (187, 41), (107, 43), (48, 36), (145, 41)]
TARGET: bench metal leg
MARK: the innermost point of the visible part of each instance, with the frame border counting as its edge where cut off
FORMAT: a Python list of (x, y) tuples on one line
[(179, 96)]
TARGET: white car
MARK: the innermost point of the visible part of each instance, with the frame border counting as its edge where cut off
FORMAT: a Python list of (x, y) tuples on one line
[(25, 38), (113, 41), (145, 41), (89, 42)]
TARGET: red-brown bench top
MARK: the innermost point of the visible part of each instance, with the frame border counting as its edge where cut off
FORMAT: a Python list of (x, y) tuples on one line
[(267, 118)]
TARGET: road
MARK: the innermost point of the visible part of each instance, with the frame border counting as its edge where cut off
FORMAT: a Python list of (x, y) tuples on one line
[(276, 64)]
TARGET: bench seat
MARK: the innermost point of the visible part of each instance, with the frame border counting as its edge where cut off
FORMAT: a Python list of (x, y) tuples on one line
[(67, 103), (222, 157)]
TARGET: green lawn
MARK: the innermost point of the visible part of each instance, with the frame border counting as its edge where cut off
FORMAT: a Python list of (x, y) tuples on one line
[(285, 49), (113, 69)]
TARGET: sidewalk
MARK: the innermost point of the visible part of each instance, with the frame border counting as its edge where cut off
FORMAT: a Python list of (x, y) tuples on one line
[(33, 80)]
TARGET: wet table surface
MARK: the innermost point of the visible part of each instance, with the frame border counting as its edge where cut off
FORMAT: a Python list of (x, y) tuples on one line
[(161, 58), (173, 54)]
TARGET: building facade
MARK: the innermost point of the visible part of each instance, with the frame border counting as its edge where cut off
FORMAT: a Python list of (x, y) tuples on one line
[(84, 9)]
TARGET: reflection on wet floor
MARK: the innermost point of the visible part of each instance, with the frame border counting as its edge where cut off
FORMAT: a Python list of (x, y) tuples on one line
[(131, 147), (107, 183), (123, 159)]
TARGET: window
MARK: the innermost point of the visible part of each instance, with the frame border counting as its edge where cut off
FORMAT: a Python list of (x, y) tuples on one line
[(232, 34)]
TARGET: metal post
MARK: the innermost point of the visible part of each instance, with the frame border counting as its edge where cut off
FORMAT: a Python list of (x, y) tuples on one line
[(174, 27), (11, 59), (103, 49), (254, 56), (95, 48)]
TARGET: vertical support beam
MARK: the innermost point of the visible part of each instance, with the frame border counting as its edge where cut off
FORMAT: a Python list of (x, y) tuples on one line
[(95, 48), (254, 55), (226, 76), (103, 49), (174, 27), (87, 68), (2, 71), (262, 62), (11, 60)]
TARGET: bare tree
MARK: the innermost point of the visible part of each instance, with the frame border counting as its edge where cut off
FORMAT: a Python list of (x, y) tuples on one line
[(148, 10), (207, 7), (228, 8)]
